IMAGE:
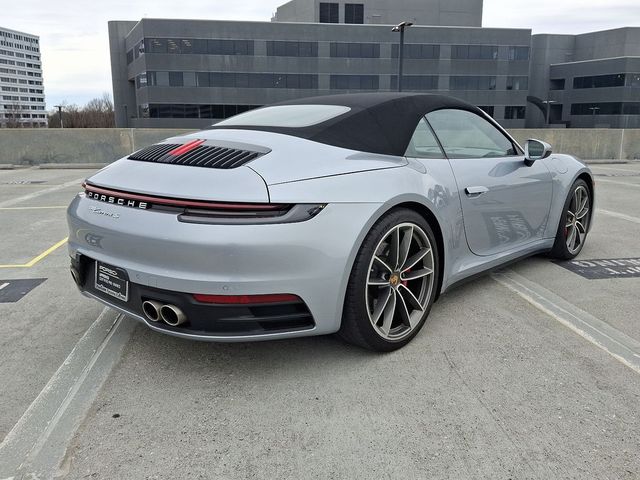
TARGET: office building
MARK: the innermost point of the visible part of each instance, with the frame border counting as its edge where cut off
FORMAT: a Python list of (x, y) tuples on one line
[(21, 90), (587, 80), (189, 73)]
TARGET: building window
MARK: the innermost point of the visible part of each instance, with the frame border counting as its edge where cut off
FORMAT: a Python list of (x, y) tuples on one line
[(329, 12), (600, 81), (228, 79), (354, 50), (353, 13), (517, 83), (556, 84), (191, 110), (292, 49), (488, 109), (460, 82), (415, 82), (606, 108), (514, 112), (417, 50), (198, 46), (354, 82), (518, 53), (633, 79), (474, 52)]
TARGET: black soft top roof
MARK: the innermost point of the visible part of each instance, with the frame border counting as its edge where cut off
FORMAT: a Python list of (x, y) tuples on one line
[(377, 122)]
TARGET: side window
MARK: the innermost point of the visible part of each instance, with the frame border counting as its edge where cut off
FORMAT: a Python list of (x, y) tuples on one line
[(423, 143), (467, 135)]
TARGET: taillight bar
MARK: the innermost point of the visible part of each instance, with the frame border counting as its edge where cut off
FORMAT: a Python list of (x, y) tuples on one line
[(246, 299), (182, 203)]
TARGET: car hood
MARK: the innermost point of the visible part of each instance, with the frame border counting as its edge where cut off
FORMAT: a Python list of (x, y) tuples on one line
[(287, 159)]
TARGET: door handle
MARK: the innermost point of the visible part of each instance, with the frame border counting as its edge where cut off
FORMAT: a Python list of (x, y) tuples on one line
[(475, 191)]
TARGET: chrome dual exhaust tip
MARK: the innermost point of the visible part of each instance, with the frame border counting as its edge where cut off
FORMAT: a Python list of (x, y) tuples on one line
[(151, 310), (170, 314)]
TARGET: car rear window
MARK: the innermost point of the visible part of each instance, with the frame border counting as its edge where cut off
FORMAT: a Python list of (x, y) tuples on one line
[(294, 116)]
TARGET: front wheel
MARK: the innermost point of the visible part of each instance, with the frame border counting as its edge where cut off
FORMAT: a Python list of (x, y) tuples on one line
[(574, 223), (393, 283)]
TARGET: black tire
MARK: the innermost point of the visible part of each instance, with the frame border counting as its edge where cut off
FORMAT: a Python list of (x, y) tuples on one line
[(357, 328), (560, 249)]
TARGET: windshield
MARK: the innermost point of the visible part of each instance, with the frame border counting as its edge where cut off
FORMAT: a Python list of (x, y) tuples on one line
[(286, 116)]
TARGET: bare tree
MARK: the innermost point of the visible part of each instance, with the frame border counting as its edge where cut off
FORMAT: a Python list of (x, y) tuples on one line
[(97, 113), (12, 120)]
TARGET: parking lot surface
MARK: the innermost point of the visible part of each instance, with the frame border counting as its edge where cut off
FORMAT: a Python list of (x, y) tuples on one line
[(528, 373)]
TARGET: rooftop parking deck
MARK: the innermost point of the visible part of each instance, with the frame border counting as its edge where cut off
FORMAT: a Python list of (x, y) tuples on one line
[(531, 372)]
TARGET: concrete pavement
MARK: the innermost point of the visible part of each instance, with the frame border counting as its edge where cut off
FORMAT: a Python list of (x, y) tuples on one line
[(492, 387)]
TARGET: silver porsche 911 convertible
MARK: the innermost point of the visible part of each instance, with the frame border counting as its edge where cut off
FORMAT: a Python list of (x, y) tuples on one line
[(345, 213)]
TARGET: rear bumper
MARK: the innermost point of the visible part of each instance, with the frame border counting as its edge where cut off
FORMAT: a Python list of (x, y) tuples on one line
[(169, 260), (205, 322)]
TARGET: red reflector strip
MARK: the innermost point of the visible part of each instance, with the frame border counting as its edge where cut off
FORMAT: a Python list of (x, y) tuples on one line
[(246, 299), (247, 207), (187, 147)]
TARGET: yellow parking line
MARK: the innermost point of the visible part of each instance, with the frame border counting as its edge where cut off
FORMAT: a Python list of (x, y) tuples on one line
[(32, 208), (39, 257)]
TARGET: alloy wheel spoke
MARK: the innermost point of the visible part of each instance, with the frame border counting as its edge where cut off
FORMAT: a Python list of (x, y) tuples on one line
[(580, 228), (417, 274), (404, 311), (389, 313), (412, 298), (415, 258), (582, 213), (571, 239), (394, 248), (383, 263), (377, 282), (383, 300), (578, 239), (405, 246)]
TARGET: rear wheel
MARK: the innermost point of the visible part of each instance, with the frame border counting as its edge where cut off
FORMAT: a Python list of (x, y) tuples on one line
[(574, 223), (393, 283)]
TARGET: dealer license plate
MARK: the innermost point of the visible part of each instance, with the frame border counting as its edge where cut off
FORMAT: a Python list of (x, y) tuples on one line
[(112, 280)]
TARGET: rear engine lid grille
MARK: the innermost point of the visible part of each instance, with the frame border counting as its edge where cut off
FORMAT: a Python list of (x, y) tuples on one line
[(194, 154)]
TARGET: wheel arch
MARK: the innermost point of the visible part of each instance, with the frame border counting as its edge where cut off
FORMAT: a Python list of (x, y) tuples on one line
[(589, 180), (427, 213), (431, 219)]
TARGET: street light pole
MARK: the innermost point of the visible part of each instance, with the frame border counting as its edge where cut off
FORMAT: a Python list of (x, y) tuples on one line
[(593, 114), (59, 107), (400, 28)]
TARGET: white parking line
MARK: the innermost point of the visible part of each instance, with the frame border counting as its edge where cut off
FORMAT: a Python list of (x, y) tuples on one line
[(622, 216), (616, 343), (24, 198), (4, 285), (595, 166), (615, 182), (36, 445)]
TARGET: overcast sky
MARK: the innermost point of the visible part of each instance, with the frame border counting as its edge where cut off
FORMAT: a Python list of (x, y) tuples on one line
[(75, 48)]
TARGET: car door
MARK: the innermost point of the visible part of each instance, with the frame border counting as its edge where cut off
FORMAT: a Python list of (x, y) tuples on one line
[(505, 202)]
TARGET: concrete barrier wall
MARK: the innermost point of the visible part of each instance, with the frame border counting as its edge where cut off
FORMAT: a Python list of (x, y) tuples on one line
[(587, 143), (104, 145), (75, 145)]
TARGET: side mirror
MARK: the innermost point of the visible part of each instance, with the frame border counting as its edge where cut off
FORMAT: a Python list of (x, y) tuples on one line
[(535, 150)]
